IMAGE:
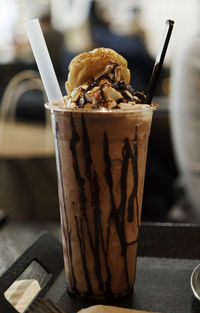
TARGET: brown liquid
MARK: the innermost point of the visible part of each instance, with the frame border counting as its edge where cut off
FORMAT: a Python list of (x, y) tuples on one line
[(101, 160)]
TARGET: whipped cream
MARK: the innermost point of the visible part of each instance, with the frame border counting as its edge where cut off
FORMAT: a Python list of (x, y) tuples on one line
[(105, 90)]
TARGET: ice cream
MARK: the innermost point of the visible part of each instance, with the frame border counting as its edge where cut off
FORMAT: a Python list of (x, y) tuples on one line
[(106, 90), (101, 136)]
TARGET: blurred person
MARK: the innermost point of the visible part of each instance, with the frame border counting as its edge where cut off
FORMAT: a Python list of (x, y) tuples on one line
[(122, 31), (24, 61), (55, 42), (185, 127), (72, 19)]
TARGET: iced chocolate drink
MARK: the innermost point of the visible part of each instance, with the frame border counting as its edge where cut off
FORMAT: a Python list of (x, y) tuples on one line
[(101, 136)]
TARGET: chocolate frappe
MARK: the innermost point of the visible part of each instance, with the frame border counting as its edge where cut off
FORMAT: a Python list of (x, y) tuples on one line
[(101, 136)]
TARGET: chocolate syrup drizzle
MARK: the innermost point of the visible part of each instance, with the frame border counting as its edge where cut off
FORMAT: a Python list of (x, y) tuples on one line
[(120, 86), (81, 182), (65, 230), (94, 189), (117, 214), (133, 195), (93, 84)]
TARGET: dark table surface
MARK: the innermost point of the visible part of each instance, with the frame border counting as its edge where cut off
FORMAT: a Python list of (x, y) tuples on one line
[(167, 255)]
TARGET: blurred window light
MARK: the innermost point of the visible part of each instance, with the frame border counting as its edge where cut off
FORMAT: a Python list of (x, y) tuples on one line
[(68, 14), (8, 16), (44, 1), (185, 13), (123, 17), (13, 38)]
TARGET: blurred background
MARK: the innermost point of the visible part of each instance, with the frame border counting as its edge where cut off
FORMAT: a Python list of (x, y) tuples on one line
[(28, 185)]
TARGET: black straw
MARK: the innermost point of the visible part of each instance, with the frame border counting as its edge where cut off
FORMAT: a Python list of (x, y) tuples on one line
[(159, 60)]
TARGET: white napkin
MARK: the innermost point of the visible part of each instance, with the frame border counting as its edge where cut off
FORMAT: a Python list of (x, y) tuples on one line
[(21, 293)]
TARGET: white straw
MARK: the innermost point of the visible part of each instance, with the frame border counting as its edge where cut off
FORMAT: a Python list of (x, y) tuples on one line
[(43, 61)]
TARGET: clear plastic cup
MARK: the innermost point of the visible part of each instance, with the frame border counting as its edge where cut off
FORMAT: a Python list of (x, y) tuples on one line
[(101, 161)]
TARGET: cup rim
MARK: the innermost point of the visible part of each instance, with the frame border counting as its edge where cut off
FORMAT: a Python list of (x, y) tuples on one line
[(140, 108)]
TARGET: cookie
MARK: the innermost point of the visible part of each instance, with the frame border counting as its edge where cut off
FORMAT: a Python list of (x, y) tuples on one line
[(87, 65)]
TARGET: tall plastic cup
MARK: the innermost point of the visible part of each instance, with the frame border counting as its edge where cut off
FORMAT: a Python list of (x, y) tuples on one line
[(101, 161)]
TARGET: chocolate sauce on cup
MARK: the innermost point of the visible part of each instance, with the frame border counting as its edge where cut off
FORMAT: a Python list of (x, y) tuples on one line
[(101, 160)]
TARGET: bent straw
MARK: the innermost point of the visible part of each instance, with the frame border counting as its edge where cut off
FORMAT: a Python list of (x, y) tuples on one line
[(159, 60), (43, 61)]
